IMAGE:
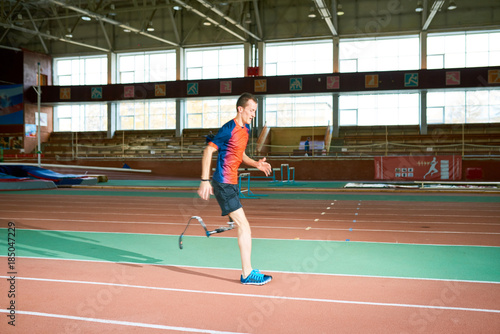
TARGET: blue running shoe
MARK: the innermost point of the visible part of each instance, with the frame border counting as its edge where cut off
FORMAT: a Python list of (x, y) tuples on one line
[(256, 278)]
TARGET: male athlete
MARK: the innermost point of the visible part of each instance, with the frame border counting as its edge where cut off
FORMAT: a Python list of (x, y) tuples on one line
[(231, 142)]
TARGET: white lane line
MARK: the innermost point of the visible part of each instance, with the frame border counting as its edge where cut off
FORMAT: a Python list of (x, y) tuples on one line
[(272, 271), (233, 294), (401, 231), (294, 219), (275, 227), (123, 323), (92, 221)]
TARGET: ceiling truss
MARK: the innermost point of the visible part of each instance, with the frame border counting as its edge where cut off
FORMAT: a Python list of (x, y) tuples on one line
[(63, 26)]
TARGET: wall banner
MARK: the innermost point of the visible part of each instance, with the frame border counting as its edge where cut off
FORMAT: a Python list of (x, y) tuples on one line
[(11, 104), (419, 168)]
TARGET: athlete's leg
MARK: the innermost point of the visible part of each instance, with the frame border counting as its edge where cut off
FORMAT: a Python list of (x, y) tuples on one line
[(244, 240)]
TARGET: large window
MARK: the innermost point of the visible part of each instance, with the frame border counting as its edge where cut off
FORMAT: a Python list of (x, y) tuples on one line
[(465, 49), (299, 58), (209, 113), (147, 67), (379, 109), (456, 107), (299, 110), (81, 71), (81, 117), (379, 54), (146, 115), (213, 63)]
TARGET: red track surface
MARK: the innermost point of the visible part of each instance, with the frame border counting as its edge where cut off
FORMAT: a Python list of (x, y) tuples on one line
[(130, 298)]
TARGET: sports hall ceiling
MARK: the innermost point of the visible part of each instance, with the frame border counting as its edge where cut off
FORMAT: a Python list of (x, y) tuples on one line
[(70, 27)]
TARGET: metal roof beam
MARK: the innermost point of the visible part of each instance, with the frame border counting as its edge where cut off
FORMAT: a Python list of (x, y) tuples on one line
[(436, 6), (325, 15), (12, 26), (36, 29), (227, 18), (111, 21), (257, 16), (215, 23)]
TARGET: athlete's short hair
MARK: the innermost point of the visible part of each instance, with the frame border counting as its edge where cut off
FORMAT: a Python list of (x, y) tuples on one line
[(244, 98)]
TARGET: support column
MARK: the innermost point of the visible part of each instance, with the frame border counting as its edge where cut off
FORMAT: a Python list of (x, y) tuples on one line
[(423, 112), (112, 66), (335, 116), (423, 50), (179, 63), (261, 57), (261, 112), (112, 119), (336, 60), (247, 57), (180, 116)]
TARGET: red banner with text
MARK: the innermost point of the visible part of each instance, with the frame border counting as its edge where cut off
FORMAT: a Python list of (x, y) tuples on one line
[(419, 168)]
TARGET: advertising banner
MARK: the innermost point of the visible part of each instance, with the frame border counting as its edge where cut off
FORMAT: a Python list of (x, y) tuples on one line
[(419, 168), (11, 104)]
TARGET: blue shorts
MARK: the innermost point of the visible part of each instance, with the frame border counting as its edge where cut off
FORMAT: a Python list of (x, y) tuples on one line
[(227, 196)]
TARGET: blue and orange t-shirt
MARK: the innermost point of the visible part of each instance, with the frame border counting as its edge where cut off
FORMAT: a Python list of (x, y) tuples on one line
[(231, 142)]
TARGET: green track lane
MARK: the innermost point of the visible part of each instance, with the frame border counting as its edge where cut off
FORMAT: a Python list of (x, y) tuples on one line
[(474, 263)]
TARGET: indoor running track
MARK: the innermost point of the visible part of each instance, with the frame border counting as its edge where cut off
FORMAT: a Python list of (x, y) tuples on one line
[(108, 262)]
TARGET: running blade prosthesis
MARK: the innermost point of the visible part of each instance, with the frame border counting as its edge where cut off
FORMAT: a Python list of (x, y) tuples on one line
[(207, 232)]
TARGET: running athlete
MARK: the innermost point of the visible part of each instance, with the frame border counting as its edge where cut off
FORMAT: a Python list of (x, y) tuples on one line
[(231, 142)]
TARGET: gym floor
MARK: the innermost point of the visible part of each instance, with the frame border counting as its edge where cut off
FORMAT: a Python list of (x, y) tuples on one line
[(106, 260)]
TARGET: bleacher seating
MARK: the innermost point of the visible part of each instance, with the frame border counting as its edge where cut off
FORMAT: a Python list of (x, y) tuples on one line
[(467, 140), (127, 143)]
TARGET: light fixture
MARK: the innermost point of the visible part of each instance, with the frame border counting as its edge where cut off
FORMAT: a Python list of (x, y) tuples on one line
[(150, 26), (452, 5), (340, 11), (69, 34), (248, 18), (207, 23), (420, 7), (86, 18), (19, 20), (126, 29), (177, 7), (312, 13), (112, 10)]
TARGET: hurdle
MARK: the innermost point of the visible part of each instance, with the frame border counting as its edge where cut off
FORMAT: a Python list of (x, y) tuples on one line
[(271, 176), (288, 169), (249, 193)]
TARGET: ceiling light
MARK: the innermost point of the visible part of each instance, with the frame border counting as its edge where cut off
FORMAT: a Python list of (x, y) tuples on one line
[(248, 18), (150, 26), (340, 12), (312, 13), (19, 20), (86, 18), (420, 7), (177, 7), (207, 23), (112, 10), (452, 5)]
